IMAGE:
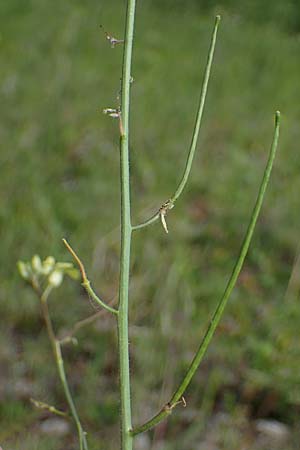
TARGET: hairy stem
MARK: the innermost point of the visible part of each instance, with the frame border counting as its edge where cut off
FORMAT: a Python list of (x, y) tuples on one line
[(193, 145), (60, 367), (126, 230), (177, 396)]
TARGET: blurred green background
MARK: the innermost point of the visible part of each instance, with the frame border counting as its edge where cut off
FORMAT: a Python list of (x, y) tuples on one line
[(60, 178)]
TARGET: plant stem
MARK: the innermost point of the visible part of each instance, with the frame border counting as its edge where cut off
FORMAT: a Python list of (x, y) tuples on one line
[(177, 396), (55, 344), (193, 145), (86, 282), (42, 405), (81, 324), (62, 375), (194, 141), (126, 230)]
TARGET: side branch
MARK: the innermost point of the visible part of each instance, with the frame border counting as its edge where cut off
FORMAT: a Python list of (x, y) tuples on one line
[(44, 406), (193, 145), (222, 303), (56, 347), (86, 282), (70, 336)]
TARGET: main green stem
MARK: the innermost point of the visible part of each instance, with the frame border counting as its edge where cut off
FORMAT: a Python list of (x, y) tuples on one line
[(126, 230)]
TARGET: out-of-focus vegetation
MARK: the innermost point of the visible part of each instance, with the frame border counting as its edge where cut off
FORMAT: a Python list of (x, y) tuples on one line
[(59, 178)]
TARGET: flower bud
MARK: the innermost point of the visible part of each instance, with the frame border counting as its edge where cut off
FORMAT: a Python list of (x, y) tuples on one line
[(24, 270), (36, 264), (55, 278), (48, 265)]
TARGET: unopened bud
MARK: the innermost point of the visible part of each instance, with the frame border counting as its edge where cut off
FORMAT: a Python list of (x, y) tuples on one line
[(36, 264), (55, 278), (24, 270)]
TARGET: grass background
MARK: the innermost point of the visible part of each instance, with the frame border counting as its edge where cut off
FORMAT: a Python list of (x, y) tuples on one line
[(60, 178)]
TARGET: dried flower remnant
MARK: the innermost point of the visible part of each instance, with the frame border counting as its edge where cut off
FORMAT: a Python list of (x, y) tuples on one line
[(112, 40), (112, 112), (163, 212)]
